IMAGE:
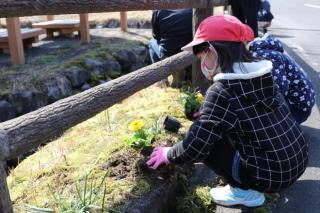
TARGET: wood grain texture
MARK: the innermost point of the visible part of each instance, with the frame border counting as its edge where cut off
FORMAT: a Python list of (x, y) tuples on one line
[(123, 21), (15, 41), (5, 201), (84, 28), (13, 8)]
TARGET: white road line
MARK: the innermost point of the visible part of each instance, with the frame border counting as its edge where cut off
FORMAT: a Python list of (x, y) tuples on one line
[(312, 6)]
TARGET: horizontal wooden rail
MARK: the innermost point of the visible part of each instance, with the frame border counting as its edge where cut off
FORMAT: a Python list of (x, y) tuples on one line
[(19, 8), (21, 134)]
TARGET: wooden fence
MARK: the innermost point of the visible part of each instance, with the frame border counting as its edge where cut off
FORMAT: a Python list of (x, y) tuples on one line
[(29, 131), (18, 8), (15, 37)]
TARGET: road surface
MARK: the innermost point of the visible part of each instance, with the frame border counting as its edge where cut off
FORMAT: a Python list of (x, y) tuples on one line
[(297, 25)]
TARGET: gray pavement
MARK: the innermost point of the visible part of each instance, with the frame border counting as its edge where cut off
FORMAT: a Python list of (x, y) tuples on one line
[(297, 25)]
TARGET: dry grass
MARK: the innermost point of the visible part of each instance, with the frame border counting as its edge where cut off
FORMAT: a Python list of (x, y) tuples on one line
[(86, 148)]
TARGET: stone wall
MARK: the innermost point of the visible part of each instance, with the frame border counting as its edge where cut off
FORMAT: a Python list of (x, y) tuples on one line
[(85, 72)]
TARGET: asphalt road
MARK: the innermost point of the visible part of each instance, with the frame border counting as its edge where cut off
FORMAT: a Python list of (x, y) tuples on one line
[(297, 25), (297, 22)]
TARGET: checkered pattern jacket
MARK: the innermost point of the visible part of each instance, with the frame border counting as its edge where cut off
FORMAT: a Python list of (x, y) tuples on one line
[(248, 109)]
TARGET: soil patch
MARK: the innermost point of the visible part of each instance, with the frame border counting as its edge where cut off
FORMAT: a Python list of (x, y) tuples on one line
[(129, 163)]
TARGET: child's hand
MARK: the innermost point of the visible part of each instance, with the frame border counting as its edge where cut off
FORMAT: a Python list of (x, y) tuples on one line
[(158, 157)]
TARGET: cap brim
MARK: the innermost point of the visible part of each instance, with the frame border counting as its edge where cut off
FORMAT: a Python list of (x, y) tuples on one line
[(189, 47)]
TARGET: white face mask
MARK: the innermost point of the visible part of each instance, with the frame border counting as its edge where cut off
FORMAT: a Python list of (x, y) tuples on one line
[(209, 73)]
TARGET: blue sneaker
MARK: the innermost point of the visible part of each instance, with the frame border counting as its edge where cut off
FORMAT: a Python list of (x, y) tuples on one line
[(229, 196)]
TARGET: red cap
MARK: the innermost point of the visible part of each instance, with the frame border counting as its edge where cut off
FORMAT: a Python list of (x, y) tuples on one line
[(221, 28)]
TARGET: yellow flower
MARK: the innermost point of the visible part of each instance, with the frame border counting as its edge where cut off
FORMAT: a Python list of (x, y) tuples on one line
[(199, 97), (136, 125)]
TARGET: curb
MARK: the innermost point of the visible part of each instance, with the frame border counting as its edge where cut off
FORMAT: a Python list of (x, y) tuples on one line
[(236, 209), (157, 201)]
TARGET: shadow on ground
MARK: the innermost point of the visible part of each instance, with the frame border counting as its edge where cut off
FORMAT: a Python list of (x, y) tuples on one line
[(309, 191), (304, 195), (312, 136)]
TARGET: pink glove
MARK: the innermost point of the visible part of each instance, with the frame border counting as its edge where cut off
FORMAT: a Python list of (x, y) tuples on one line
[(196, 115), (158, 157)]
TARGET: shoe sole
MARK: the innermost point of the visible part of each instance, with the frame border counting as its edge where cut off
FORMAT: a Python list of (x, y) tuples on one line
[(253, 203)]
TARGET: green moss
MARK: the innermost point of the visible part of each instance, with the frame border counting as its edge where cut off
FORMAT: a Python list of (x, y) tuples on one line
[(41, 67), (202, 196), (104, 52), (94, 78), (45, 59), (271, 197), (114, 74), (141, 187), (10, 70), (5, 90), (262, 209), (196, 200)]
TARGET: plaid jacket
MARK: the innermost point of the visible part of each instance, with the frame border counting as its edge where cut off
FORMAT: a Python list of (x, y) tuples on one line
[(249, 110)]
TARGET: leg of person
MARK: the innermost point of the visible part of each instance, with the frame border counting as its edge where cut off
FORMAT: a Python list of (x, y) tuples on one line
[(237, 9), (188, 76), (154, 50), (225, 161), (221, 161), (251, 14), (177, 78)]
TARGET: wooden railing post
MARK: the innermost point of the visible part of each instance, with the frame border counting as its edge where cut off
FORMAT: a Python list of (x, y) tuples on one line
[(84, 28), (50, 17), (123, 21), (198, 79), (15, 41), (5, 201)]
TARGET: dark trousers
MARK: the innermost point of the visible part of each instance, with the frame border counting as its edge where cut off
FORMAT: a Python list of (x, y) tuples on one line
[(222, 161), (156, 54), (247, 12)]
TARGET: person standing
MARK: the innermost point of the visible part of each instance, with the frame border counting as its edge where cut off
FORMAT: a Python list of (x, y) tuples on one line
[(265, 16), (247, 12)]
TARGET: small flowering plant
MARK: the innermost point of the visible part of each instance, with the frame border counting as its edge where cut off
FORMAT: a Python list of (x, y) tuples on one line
[(140, 136), (192, 103), (136, 125)]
